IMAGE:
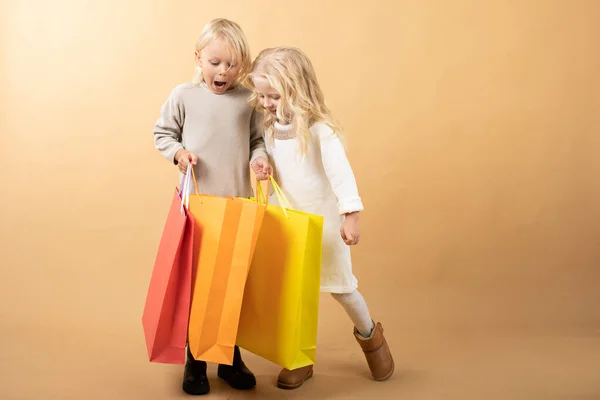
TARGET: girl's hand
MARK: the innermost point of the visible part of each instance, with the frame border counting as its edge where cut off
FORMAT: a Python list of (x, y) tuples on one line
[(261, 169), (184, 158), (349, 231)]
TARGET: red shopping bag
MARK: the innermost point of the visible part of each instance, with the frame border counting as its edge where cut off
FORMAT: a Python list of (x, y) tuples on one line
[(166, 312)]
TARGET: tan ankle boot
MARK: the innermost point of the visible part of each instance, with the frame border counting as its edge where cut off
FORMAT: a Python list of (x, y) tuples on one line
[(377, 353), (295, 378)]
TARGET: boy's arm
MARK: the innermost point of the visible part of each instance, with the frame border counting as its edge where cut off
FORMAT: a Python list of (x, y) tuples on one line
[(168, 128)]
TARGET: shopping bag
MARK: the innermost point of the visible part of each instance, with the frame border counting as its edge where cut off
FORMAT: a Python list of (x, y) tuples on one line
[(168, 299), (279, 316), (227, 229)]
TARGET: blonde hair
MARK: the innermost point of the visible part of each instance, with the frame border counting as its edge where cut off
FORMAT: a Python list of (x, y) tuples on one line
[(290, 72), (233, 35)]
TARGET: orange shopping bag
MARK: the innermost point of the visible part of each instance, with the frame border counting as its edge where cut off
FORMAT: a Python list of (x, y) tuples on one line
[(227, 229), (166, 311)]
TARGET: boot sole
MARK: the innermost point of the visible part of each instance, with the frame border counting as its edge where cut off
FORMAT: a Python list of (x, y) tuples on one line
[(388, 376), (195, 392), (288, 386), (222, 376)]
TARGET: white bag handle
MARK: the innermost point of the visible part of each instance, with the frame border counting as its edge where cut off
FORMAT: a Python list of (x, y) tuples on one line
[(185, 188)]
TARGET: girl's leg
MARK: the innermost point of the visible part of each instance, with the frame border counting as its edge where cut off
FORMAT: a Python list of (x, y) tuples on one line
[(358, 311), (368, 335)]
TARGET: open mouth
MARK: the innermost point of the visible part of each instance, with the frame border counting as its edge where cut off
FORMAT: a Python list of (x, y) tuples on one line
[(220, 85)]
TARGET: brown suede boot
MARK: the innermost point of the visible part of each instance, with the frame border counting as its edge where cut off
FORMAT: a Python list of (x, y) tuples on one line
[(295, 378), (377, 353)]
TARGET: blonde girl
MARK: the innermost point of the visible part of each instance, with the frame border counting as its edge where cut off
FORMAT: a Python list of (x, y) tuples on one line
[(209, 124), (304, 145)]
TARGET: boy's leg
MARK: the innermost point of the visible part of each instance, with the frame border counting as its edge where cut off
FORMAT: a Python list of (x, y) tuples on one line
[(195, 381), (238, 376)]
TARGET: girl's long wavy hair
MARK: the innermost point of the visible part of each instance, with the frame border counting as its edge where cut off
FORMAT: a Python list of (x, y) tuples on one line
[(291, 74), (232, 33)]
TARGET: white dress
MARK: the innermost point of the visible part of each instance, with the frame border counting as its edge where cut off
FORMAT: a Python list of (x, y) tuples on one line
[(322, 183)]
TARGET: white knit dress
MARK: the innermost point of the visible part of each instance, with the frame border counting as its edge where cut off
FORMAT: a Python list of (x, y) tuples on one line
[(322, 183)]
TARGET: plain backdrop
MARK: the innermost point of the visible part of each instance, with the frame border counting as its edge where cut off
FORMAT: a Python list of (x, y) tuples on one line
[(473, 128)]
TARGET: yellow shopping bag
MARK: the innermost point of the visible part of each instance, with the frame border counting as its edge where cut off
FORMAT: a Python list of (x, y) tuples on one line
[(280, 308)]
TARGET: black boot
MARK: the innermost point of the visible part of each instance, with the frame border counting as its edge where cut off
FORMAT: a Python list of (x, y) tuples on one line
[(195, 381), (238, 376)]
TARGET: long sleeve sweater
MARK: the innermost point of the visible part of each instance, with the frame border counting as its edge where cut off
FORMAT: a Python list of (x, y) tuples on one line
[(224, 131)]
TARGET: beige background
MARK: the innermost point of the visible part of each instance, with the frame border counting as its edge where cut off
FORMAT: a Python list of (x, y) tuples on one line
[(474, 131)]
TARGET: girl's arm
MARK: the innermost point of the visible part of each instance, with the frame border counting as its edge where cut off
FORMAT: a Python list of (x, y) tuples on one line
[(338, 171), (257, 141), (167, 129)]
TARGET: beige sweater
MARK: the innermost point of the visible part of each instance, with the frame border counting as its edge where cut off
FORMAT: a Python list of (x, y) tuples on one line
[(224, 131)]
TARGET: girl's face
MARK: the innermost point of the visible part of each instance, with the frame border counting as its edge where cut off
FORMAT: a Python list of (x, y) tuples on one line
[(268, 97), (218, 70)]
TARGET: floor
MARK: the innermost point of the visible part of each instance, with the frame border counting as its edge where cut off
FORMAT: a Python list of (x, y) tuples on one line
[(439, 355)]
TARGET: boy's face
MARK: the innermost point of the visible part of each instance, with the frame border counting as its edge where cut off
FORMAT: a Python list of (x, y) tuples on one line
[(218, 70), (268, 97)]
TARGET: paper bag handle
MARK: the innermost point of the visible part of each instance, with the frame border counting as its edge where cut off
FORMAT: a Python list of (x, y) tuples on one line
[(260, 192), (285, 204), (185, 187)]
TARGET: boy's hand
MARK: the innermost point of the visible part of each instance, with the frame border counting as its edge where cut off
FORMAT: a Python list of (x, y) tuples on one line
[(349, 230), (184, 158), (262, 169)]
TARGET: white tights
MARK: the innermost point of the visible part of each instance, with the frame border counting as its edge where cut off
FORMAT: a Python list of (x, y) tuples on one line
[(356, 308)]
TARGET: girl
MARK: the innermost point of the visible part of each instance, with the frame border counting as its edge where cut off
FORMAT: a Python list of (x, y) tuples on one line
[(309, 160), (210, 124)]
